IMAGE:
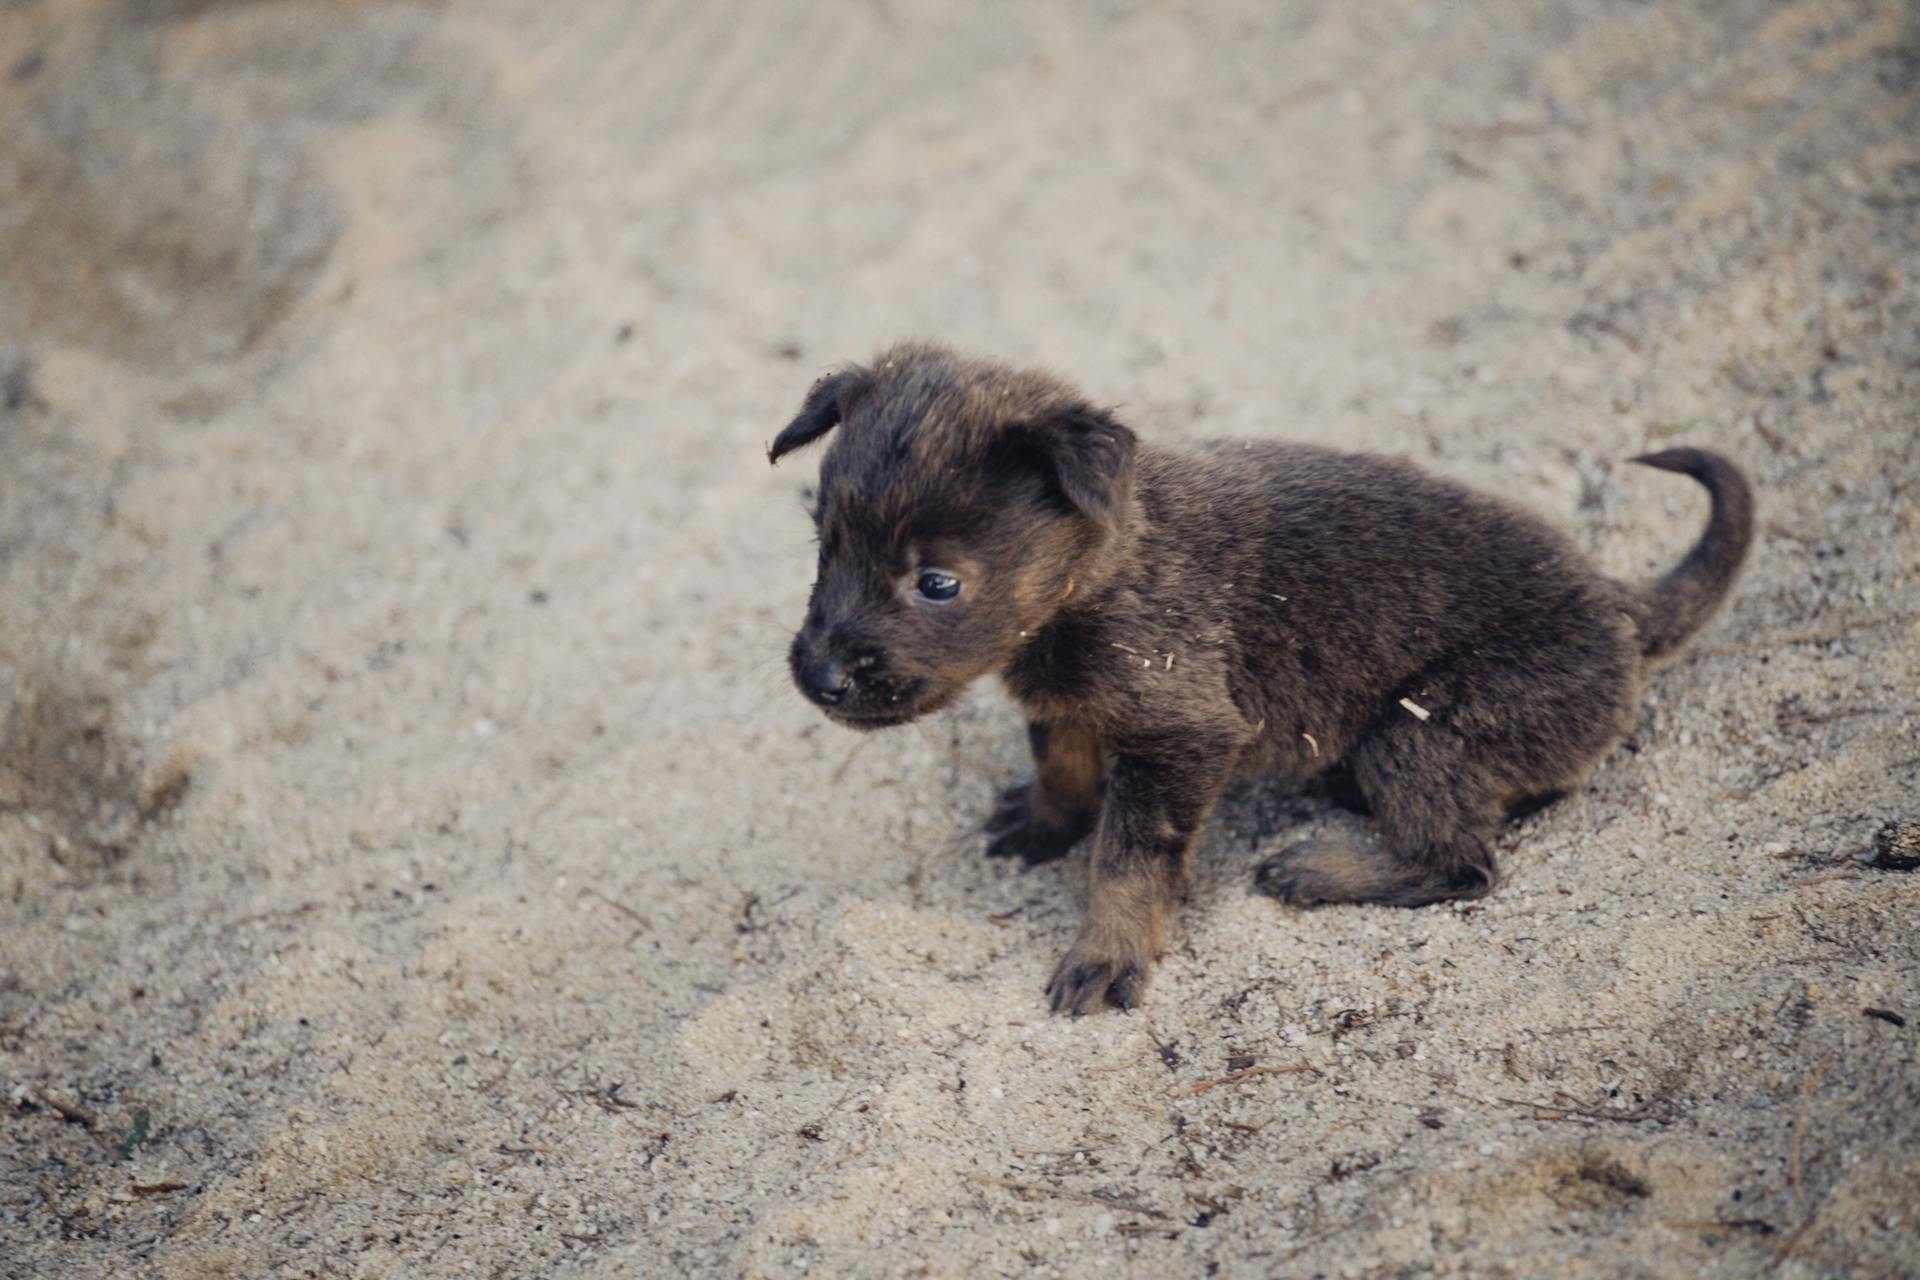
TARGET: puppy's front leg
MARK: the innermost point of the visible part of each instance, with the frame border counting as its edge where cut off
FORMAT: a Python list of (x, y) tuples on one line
[(1155, 803), (1040, 820)]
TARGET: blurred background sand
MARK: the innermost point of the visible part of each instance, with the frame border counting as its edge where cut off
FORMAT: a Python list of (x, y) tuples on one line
[(413, 860)]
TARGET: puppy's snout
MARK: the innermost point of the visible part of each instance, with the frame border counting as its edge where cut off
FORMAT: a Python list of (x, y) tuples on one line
[(825, 671), (825, 680)]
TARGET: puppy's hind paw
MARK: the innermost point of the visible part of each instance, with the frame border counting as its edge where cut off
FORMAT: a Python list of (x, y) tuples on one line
[(1313, 872), (1015, 831)]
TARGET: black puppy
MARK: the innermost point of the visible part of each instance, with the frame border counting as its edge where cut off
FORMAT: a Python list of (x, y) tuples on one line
[(1166, 618)]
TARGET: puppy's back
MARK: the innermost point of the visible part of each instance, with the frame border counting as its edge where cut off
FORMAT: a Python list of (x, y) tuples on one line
[(1364, 541)]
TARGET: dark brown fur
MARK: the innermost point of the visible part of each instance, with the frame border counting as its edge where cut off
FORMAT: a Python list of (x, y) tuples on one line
[(1167, 618)]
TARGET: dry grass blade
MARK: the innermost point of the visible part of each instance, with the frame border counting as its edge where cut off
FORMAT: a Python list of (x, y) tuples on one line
[(1800, 1119), (68, 1111), (1248, 1073), (1065, 1193)]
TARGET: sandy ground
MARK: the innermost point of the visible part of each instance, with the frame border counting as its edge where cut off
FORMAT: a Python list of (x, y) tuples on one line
[(413, 860)]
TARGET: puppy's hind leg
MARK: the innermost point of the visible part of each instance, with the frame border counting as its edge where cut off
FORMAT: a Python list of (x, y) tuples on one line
[(1436, 813), (1515, 725), (1512, 724), (1525, 806), (1317, 872)]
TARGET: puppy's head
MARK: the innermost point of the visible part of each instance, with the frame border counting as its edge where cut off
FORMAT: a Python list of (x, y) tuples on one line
[(956, 503)]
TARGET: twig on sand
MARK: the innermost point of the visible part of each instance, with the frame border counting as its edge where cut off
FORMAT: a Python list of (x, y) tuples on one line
[(279, 916), (1066, 1193), (1800, 1117), (68, 1111), (842, 1158), (1786, 1247), (1248, 1073), (1566, 1111), (1739, 1227), (847, 763), (621, 907), (1817, 636)]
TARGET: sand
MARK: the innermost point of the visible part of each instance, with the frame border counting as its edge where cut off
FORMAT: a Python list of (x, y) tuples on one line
[(414, 860)]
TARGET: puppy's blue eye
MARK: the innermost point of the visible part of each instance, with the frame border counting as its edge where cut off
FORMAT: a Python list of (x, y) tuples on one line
[(936, 586)]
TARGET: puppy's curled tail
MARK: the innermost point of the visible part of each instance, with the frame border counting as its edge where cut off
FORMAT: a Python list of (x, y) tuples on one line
[(1679, 603)]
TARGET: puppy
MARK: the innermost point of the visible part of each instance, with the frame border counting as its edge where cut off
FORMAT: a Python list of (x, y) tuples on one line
[(1166, 618)]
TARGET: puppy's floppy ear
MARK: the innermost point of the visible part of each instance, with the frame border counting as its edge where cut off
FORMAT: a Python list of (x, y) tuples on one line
[(825, 405), (1090, 454)]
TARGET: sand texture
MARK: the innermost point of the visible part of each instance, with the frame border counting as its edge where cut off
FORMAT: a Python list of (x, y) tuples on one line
[(415, 861)]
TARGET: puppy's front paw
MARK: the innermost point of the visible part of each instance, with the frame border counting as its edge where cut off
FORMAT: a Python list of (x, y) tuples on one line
[(1091, 976), (1016, 831)]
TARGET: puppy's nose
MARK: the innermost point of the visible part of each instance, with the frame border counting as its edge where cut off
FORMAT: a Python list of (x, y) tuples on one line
[(826, 680)]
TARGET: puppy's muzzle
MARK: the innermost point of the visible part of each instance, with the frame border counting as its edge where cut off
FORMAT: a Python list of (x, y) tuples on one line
[(825, 680), (827, 676)]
